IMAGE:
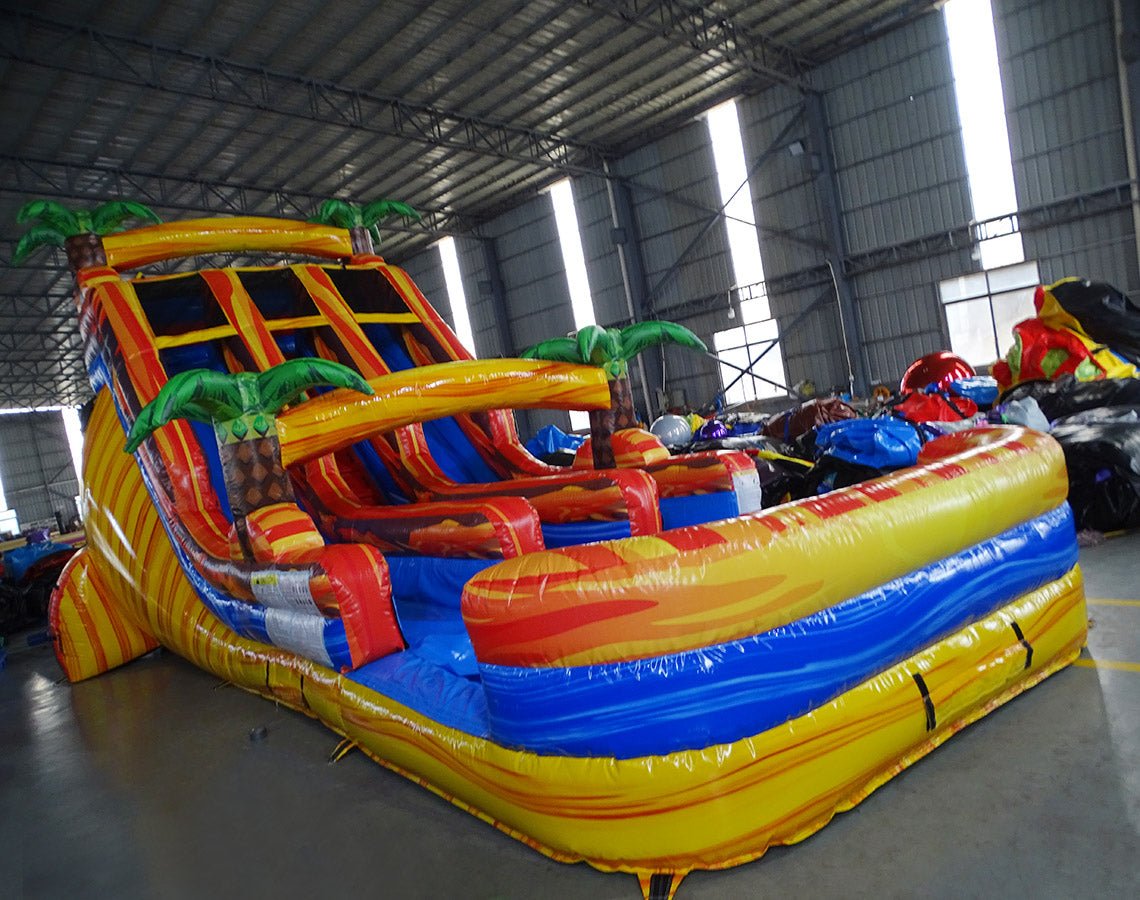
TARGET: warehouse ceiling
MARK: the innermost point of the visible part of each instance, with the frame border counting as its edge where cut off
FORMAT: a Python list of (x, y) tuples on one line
[(462, 108)]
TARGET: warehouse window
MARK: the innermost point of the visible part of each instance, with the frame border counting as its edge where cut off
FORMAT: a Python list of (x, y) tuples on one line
[(982, 308), (455, 294), (9, 524), (74, 432), (757, 332), (985, 135), (738, 347), (574, 261)]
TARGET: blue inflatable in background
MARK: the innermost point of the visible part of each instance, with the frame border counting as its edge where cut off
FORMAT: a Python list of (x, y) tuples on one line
[(879, 443), (552, 439), (982, 389), (18, 560)]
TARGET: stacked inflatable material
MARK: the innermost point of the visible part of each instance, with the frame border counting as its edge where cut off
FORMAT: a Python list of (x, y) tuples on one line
[(1086, 329), (673, 699), (1097, 425)]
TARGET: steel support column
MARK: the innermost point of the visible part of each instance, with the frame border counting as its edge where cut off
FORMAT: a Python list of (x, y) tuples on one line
[(1127, 18), (827, 186), (627, 241), (495, 292)]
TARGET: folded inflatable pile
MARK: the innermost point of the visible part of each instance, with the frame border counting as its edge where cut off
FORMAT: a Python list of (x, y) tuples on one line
[(635, 667), (1079, 359), (1086, 329)]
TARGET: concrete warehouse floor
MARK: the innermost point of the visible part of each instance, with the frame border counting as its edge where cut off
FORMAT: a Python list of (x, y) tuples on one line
[(144, 783)]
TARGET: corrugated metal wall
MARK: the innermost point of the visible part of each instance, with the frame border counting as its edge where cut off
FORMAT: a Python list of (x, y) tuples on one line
[(787, 205), (1062, 96), (902, 174), (534, 282), (676, 169), (36, 468), (489, 333), (602, 265), (674, 193), (530, 265), (895, 139)]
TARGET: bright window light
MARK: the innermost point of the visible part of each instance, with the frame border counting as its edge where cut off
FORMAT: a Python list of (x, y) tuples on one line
[(735, 193), (757, 329), (74, 439), (455, 295), (570, 238), (21, 410), (982, 308), (985, 135), (738, 347)]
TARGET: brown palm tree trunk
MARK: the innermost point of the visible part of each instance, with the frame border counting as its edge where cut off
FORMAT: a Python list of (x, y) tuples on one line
[(361, 241), (254, 478), (604, 422), (254, 475), (84, 250)]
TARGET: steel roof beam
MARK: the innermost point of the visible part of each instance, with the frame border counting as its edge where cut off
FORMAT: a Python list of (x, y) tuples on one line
[(25, 176), (877, 24), (696, 27), (97, 54)]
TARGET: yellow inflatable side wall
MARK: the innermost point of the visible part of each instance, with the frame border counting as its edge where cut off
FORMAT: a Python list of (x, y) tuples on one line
[(240, 234), (91, 635), (711, 808), (706, 584)]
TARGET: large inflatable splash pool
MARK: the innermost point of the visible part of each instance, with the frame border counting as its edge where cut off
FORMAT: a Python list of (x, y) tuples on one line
[(632, 667)]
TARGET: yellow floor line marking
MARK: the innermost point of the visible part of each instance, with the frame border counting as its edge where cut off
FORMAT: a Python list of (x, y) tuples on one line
[(1092, 602), (1107, 664)]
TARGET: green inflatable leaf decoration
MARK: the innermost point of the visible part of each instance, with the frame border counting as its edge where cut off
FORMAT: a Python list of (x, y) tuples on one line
[(286, 382), (53, 215), (379, 210), (642, 335), (562, 349), (37, 236), (202, 395), (110, 217), (338, 213)]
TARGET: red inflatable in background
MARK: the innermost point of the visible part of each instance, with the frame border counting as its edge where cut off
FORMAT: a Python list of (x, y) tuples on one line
[(938, 369), (919, 407), (1057, 343)]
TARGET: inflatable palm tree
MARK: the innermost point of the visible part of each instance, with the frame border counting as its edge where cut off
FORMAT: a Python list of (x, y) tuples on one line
[(80, 232), (611, 349), (242, 409), (362, 221)]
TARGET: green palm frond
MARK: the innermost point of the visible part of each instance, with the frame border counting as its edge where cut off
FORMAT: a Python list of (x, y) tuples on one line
[(608, 348), (587, 339), (641, 335), (36, 237), (284, 383), (601, 347), (338, 213), (199, 394), (379, 210), (53, 215), (110, 217), (562, 349)]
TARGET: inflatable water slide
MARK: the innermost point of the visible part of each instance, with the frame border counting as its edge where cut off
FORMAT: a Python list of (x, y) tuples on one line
[(327, 503)]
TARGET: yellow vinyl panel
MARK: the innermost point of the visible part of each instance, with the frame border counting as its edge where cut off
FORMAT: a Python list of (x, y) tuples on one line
[(341, 418), (240, 234)]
